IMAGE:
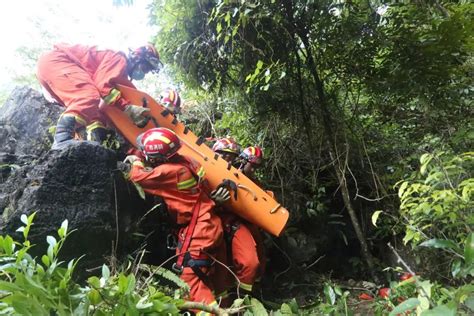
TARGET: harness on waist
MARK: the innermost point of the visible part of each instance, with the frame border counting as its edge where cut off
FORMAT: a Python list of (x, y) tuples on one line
[(184, 256), (229, 232)]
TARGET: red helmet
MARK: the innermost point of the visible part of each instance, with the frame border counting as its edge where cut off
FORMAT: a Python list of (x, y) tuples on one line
[(148, 54), (158, 143), (171, 100), (226, 145), (253, 154)]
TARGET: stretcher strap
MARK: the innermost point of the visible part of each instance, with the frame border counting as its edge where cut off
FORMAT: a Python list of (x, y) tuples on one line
[(189, 233), (248, 190)]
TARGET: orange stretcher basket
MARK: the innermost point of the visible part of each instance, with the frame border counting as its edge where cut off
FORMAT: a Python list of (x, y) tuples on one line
[(252, 202)]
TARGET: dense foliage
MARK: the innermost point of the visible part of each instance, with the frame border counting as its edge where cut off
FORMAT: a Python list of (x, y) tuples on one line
[(364, 110), (344, 95), (354, 102), (29, 286)]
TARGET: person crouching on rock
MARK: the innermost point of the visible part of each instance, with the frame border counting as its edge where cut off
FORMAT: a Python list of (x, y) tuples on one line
[(80, 77)]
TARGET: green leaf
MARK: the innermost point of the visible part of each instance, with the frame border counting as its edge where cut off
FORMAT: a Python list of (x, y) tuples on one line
[(237, 302), (24, 219), (441, 310), (267, 77), (407, 305), (469, 250), (105, 272), (375, 216), (131, 284), (94, 281), (51, 240), (10, 287), (45, 260), (440, 243), (257, 307), (456, 267), (259, 64), (469, 302), (330, 294), (409, 234), (8, 245), (50, 253), (294, 306), (285, 310), (122, 283), (63, 230), (227, 18), (402, 189), (31, 217), (424, 161), (94, 297)]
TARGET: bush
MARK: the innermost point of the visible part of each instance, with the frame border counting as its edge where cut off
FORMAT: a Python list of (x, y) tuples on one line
[(437, 205), (29, 287)]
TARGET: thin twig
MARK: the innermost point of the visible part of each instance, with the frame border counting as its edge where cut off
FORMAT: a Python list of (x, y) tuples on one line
[(287, 257), (116, 219), (215, 310), (228, 269), (415, 277), (316, 261)]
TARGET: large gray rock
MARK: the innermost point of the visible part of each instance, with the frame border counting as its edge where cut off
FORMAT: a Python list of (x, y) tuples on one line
[(24, 122), (80, 183)]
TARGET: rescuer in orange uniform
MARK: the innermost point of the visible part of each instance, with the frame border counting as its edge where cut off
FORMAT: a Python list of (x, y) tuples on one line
[(243, 240), (81, 77), (179, 181)]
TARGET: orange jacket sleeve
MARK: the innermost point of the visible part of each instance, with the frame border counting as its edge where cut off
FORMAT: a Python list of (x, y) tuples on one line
[(151, 180), (111, 70)]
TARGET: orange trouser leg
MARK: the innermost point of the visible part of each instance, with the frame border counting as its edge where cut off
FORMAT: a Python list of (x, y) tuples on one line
[(262, 257), (199, 291), (71, 85), (245, 257), (222, 279)]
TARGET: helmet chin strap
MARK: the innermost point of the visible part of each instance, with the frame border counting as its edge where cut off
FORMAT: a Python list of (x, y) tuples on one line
[(154, 160)]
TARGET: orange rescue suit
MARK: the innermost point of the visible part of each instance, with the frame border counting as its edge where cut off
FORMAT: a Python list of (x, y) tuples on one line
[(79, 76), (247, 253), (176, 182)]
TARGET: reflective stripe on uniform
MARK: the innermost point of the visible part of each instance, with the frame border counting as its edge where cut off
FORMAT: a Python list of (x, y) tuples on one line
[(245, 286), (186, 184), (79, 119), (112, 96), (138, 163), (201, 172), (94, 125)]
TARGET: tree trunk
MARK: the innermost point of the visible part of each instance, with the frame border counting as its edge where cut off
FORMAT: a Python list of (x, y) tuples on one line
[(338, 166), (301, 32)]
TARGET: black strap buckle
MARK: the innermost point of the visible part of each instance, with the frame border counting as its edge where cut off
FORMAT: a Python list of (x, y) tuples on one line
[(171, 242), (177, 269)]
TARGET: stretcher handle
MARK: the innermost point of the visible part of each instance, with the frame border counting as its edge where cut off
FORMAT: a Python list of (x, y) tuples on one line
[(273, 210), (243, 187)]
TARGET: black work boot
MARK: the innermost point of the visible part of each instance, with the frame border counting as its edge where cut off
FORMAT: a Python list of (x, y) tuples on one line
[(64, 131), (98, 134)]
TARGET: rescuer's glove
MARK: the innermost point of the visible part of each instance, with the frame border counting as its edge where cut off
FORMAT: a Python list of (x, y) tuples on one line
[(137, 114), (220, 195)]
